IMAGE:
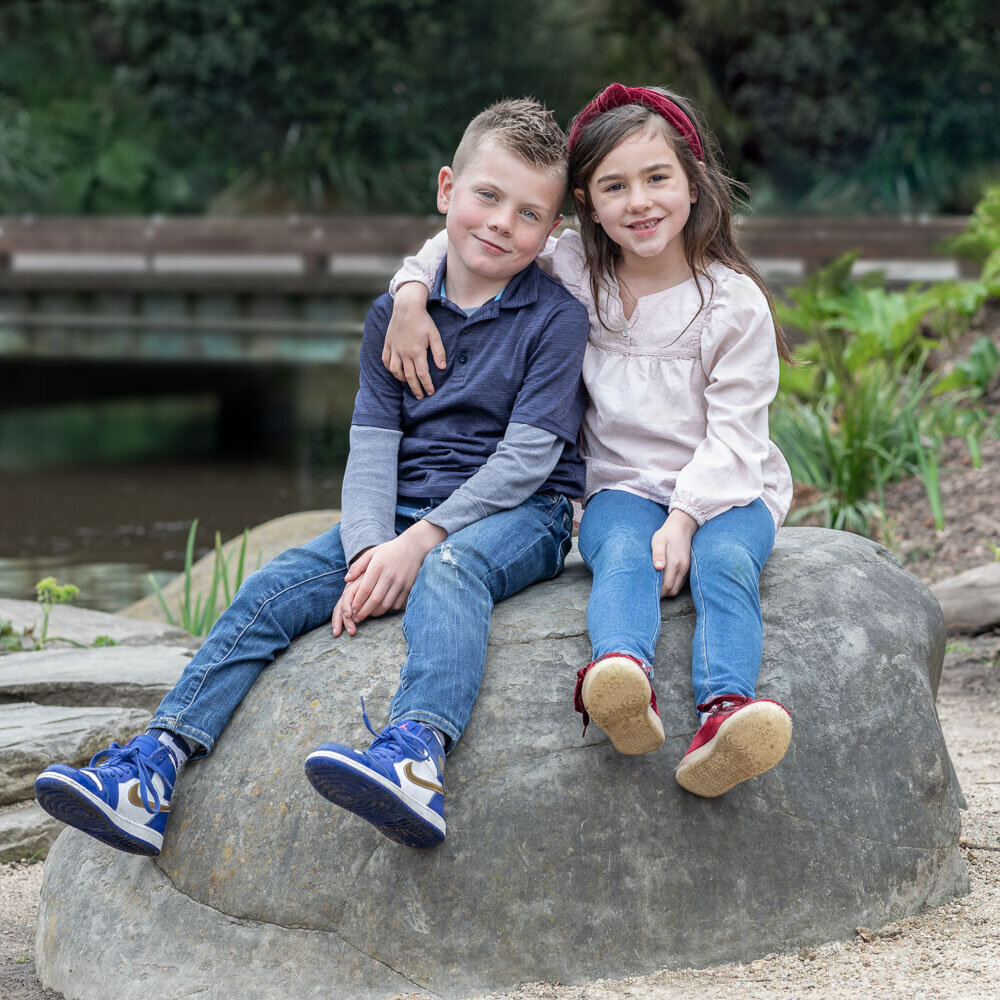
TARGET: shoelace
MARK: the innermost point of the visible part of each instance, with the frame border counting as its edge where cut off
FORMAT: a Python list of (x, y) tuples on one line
[(121, 759), (722, 704), (393, 742)]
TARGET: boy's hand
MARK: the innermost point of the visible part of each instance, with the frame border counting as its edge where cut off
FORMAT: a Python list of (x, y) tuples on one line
[(380, 580), (410, 332), (671, 548), (342, 612)]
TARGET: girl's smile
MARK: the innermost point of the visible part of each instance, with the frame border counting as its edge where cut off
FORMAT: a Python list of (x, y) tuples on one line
[(642, 198)]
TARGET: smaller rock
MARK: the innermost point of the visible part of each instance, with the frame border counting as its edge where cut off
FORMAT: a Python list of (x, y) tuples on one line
[(84, 626), (121, 676), (34, 736), (970, 601), (263, 543), (26, 831)]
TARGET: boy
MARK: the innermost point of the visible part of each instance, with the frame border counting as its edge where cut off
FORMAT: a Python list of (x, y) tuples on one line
[(448, 506)]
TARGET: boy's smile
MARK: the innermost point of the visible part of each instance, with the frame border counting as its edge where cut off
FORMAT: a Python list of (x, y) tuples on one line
[(500, 211)]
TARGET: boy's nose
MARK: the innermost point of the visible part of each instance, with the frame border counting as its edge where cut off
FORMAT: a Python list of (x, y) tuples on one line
[(501, 221)]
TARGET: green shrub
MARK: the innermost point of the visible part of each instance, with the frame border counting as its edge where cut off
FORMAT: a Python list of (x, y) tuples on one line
[(860, 410)]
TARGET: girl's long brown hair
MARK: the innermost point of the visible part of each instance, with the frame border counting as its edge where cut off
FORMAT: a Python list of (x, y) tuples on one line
[(708, 233)]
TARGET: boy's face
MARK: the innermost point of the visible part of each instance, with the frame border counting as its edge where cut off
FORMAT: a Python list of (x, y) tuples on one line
[(500, 212)]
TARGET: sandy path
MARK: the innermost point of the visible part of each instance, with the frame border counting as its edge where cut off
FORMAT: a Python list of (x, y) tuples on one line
[(950, 952)]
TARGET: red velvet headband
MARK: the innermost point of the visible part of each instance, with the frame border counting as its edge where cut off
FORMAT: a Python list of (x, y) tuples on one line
[(618, 95)]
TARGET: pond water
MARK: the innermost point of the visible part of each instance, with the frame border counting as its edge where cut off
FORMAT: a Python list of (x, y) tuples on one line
[(105, 528)]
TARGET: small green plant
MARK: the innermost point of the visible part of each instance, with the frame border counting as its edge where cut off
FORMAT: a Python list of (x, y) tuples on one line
[(993, 548), (197, 613), (50, 593), (10, 641)]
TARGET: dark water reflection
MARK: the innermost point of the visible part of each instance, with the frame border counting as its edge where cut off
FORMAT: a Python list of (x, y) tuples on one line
[(105, 528)]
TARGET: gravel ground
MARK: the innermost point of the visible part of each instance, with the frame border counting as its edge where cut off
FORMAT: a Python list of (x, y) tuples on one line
[(951, 952)]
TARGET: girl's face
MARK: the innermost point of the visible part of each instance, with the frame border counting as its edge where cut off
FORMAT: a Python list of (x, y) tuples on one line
[(641, 197)]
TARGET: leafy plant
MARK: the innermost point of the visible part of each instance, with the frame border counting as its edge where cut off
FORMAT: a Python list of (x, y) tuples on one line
[(862, 411), (197, 613), (976, 372), (981, 240)]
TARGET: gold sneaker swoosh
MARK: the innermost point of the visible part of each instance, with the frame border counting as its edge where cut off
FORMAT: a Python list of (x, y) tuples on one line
[(133, 797), (432, 786)]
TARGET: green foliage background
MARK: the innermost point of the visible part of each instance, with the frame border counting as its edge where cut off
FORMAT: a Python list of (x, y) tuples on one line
[(253, 105)]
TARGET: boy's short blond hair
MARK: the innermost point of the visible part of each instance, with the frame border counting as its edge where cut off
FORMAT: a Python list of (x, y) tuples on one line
[(523, 127)]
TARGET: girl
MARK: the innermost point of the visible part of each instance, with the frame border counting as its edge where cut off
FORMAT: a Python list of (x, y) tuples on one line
[(681, 364)]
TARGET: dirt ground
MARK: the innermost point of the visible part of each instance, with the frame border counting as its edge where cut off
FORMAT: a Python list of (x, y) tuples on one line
[(950, 952)]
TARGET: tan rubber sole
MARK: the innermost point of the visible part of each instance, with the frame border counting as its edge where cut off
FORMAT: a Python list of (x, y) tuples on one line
[(617, 696), (748, 743)]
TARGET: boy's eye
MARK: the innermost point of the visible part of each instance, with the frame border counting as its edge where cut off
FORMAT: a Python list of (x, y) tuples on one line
[(488, 194), (528, 214)]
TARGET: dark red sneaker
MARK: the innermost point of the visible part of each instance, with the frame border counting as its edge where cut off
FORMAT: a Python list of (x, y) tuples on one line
[(615, 692), (741, 738)]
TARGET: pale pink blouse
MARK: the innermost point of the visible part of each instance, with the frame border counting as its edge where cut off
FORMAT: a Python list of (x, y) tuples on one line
[(678, 392)]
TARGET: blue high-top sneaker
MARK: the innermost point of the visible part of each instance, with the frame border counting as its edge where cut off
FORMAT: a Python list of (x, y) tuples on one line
[(396, 784), (122, 799)]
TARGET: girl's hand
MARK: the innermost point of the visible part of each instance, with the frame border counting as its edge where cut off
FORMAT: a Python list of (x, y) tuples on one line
[(410, 332), (671, 548)]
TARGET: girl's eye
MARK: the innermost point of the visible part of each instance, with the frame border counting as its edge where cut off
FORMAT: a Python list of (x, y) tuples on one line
[(658, 177), (614, 187)]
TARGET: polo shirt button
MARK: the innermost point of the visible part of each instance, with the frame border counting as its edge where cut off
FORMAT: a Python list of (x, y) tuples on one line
[(462, 359)]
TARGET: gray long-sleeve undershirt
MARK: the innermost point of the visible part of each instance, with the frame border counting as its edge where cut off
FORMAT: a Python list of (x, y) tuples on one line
[(522, 462)]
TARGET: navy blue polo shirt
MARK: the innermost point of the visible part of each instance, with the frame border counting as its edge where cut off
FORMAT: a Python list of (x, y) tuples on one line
[(514, 359)]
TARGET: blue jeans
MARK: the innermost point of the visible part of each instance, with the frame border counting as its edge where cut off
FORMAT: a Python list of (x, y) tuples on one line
[(728, 553), (446, 621)]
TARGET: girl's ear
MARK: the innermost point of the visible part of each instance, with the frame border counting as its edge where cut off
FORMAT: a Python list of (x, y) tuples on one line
[(694, 187), (580, 197), (446, 183)]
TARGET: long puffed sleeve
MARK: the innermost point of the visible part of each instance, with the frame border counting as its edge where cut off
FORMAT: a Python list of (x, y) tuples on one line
[(733, 464)]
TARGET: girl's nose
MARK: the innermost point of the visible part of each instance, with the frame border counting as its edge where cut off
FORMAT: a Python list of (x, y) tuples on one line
[(638, 198)]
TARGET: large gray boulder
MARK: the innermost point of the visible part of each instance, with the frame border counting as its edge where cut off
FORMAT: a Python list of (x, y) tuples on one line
[(564, 861)]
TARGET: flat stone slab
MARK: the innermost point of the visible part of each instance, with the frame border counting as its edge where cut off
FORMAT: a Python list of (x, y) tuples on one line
[(970, 601), (564, 860), (122, 676), (84, 626), (263, 543), (34, 736), (26, 831)]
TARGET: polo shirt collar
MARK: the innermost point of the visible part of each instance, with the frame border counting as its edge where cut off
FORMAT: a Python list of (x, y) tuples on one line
[(520, 291)]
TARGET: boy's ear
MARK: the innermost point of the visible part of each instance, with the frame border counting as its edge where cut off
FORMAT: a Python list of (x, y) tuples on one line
[(446, 184), (552, 228)]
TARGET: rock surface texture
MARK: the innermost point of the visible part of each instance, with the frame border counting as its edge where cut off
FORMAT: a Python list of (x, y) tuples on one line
[(564, 861)]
